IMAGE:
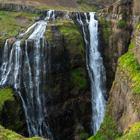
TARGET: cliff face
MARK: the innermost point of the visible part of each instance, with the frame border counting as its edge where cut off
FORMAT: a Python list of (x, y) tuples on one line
[(115, 35), (124, 94), (122, 60), (69, 95)]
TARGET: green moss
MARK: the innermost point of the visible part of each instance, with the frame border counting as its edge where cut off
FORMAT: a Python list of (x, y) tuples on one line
[(132, 45), (138, 26), (130, 65), (5, 95), (78, 78), (72, 36), (133, 133), (6, 134), (13, 22), (121, 24), (108, 130)]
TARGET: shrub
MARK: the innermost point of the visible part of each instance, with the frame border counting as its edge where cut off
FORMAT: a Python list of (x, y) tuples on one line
[(121, 24)]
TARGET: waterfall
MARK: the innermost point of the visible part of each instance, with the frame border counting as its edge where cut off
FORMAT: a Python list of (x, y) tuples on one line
[(24, 67), (96, 71), (24, 70)]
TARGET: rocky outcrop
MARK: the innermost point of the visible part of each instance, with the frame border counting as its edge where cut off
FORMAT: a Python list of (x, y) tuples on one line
[(6, 134), (68, 93), (19, 8), (124, 103), (115, 33)]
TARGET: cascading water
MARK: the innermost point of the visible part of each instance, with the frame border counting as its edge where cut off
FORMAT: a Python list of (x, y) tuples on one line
[(95, 68), (24, 70)]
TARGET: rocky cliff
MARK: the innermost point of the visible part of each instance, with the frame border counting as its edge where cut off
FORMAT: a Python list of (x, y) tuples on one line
[(115, 34), (122, 116)]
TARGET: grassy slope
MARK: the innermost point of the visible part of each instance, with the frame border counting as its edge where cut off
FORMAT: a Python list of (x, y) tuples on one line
[(12, 22), (6, 134)]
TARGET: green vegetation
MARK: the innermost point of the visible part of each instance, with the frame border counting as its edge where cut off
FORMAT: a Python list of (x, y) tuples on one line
[(121, 24), (6, 134), (131, 45), (72, 36), (5, 95), (138, 26), (78, 78), (108, 130), (133, 133), (128, 62), (13, 22), (106, 29)]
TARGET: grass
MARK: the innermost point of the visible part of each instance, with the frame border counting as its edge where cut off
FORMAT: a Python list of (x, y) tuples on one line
[(5, 95), (72, 34), (138, 26), (128, 63), (6, 134), (108, 130), (133, 133), (11, 23)]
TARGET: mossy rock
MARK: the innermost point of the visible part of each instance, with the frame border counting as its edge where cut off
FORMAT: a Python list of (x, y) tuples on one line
[(72, 35), (11, 23), (6, 134), (108, 130), (78, 77), (6, 94), (129, 64), (132, 134), (105, 29)]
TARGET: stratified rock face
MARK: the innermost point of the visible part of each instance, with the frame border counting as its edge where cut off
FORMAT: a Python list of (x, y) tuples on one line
[(136, 7), (115, 33), (124, 104), (125, 93)]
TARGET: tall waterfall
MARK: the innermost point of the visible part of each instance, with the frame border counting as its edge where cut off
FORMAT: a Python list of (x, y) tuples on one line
[(24, 70), (89, 26)]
